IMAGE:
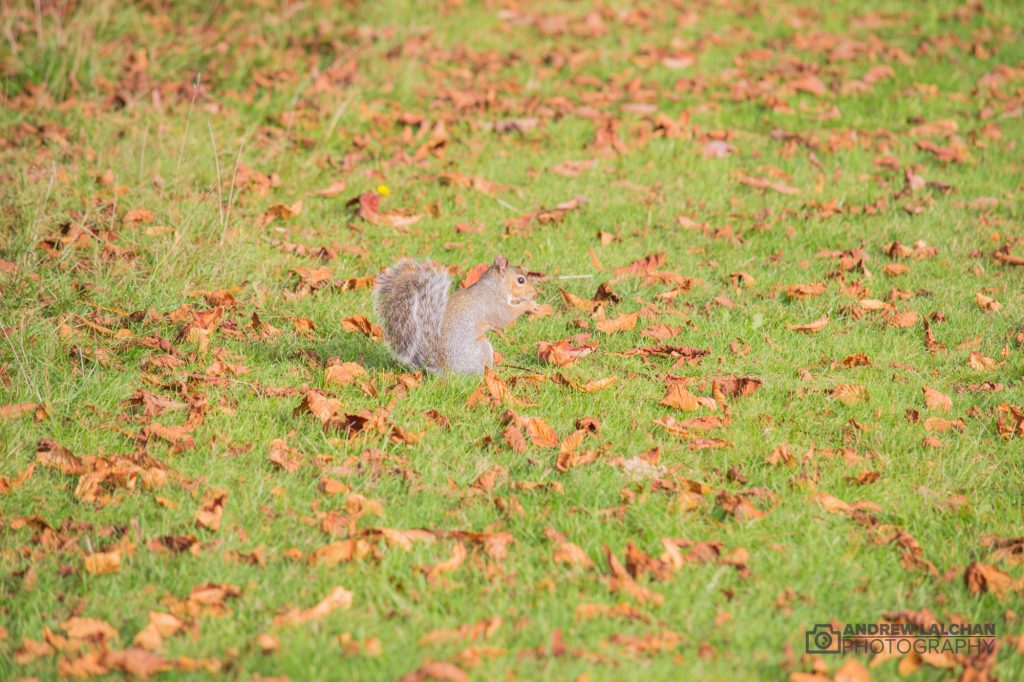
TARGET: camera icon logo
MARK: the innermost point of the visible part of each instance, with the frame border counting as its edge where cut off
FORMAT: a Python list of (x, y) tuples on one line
[(824, 639)]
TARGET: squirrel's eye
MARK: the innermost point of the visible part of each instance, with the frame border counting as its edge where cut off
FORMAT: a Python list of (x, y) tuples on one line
[(521, 280)]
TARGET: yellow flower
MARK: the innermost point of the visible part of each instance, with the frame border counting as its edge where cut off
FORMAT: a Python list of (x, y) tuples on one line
[(383, 190)]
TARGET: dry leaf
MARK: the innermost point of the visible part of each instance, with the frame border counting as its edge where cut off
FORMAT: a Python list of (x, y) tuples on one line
[(810, 327), (338, 598), (987, 304), (210, 514), (940, 425), (936, 400), (101, 563)]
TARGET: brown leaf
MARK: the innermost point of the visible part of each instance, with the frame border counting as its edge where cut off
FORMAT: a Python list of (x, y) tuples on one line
[(287, 458), (514, 438), (210, 514), (622, 581), (541, 433), (482, 629), (340, 552), (679, 397), (545, 216), (13, 411), (895, 269), (92, 629), (152, 404), (337, 599), (981, 577), (979, 362), (832, 504), (588, 387), (493, 390), (361, 325), (940, 425), (570, 459), (1009, 421), (799, 292), (571, 169), (319, 406), (903, 320), (269, 644), (458, 556), (101, 563), (160, 626), (856, 360), (562, 353), (709, 444), (781, 454), (987, 304), (334, 189), (136, 662), (690, 428), (691, 355), (49, 453), (810, 327), (930, 342), (137, 217), (850, 394), (661, 332), (765, 183), (343, 373), (566, 552), (738, 506), (621, 323), (737, 387), (936, 400), (9, 484), (280, 212), (642, 266), (441, 671), (872, 304)]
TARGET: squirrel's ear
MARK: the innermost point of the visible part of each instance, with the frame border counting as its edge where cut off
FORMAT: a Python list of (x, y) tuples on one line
[(500, 262)]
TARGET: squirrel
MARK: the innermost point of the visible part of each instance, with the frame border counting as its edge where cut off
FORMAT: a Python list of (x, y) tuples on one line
[(426, 327)]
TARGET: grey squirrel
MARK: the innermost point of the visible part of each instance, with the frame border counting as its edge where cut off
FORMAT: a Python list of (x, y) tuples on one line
[(426, 327)]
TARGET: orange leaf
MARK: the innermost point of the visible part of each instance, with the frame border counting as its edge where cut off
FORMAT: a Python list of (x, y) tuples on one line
[(810, 327), (338, 598), (936, 400)]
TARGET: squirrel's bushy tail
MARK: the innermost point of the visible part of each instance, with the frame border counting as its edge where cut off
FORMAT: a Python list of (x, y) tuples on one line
[(410, 298)]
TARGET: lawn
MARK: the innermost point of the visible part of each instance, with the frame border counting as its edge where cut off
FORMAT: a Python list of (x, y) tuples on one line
[(784, 278)]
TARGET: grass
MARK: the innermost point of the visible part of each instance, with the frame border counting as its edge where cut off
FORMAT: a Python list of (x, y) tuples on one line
[(85, 140)]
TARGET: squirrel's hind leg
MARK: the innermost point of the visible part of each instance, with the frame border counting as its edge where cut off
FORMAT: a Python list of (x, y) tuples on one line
[(473, 358)]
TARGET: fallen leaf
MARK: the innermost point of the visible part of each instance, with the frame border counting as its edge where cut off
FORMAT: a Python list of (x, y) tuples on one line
[(679, 397), (458, 556), (940, 425), (562, 353), (337, 599), (935, 400), (211, 512), (987, 304), (436, 670), (979, 362), (619, 324), (101, 563), (850, 394), (359, 324), (343, 373), (981, 577), (810, 327), (285, 457)]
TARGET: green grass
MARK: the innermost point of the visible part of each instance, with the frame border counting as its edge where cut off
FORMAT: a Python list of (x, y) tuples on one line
[(174, 154)]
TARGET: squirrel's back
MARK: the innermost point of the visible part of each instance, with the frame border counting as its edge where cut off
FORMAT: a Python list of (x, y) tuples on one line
[(410, 299)]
